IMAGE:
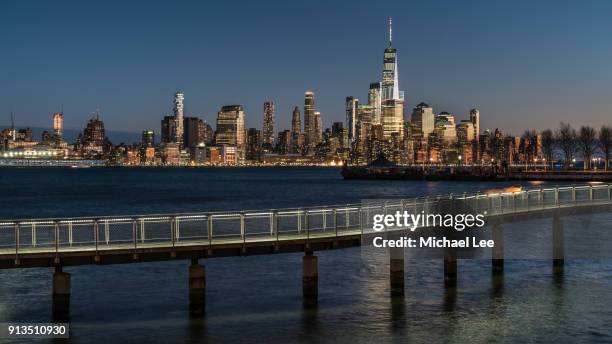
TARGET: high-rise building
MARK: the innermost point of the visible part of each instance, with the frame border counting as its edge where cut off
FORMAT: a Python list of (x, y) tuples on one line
[(284, 142), (296, 122), (475, 119), (445, 128), (297, 138), (393, 118), (58, 124), (374, 100), (309, 120), (92, 141), (318, 128), (205, 132), (254, 143), (465, 131), (148, 138), (178, 117), (390, 79), (168, 129), (191, 132), (268, 126), (422, 121), (352, 104), (392, 100), (230, 126)]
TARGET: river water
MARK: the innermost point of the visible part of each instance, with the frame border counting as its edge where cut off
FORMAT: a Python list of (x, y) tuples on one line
[(258, 298)]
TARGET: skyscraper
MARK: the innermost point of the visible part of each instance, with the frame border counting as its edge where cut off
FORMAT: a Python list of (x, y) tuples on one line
[(254, 142), (374, 100), (168, 129), (475, 119), (191, 132), (148, 138), (296, 122), (422, 121), (392, 100), (309, 119), (268, 126), (390, 79), (351, 116), (178, 117), (230, 126), (318, 128), (58, 124)]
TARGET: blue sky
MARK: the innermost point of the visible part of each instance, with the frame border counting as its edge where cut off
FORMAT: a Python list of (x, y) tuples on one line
[(522, 63)]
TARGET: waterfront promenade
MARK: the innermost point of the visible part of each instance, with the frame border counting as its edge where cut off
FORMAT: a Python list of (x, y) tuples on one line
[(130, 239)]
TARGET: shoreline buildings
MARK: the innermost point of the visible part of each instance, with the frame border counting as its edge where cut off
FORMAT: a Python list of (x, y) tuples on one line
[(371, 128)]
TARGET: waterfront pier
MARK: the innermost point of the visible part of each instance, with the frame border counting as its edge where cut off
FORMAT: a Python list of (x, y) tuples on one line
[(58, 243)]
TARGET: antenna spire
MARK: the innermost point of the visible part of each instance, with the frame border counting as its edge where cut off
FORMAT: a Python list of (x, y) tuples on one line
[(390, 30)]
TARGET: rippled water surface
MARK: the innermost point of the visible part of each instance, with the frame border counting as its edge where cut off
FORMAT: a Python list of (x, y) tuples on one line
[(258, 298)]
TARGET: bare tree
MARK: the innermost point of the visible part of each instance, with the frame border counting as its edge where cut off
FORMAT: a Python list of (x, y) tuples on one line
[(528, 147), (587, 140), (548, 146), (605, 143), (565, 137)]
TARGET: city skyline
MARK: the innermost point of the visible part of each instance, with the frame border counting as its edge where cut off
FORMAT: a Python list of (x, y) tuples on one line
[(534, 103)]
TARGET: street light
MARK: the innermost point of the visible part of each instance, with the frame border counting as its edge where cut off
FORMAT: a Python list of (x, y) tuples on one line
[(459, 159)]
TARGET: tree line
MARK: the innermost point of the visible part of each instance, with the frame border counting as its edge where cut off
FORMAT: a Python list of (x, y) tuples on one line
[(568, 143)]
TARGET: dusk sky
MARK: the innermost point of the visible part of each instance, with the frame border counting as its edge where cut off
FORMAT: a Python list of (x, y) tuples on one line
[(522, 63)]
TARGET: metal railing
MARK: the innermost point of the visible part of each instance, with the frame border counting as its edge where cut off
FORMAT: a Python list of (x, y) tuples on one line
[(171, 230)]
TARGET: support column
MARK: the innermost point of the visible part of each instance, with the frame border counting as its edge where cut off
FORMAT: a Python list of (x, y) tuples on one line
[(498, 250), (61, 295), (450, 267), (197, 289), (396, 271), (310, 279), (558, 244)]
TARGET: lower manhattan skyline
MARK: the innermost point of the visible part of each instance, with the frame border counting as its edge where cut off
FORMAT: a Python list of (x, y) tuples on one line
[(524, 66)]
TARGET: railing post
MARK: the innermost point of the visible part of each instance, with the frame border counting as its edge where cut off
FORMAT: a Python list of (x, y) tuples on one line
[(573, 194), (557, 196), (210, 230), (96, 235), (17, 235), (142, 231), (56, 235), (591, 193), (177, 228), (360, 214), (134, 231), (33, 234), (242, 226), (276, 225), (306, 221), (336, 222), (70, 233), (172, 229), (324, 219), (299, 221), (271, 223), (347, 221), (106, 231)]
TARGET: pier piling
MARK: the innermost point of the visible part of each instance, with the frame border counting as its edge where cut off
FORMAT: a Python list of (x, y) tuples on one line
[(197, 289), (396, 271), (558, 244), (450, 267), (61, 295), (498, 250), (310, 279)]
